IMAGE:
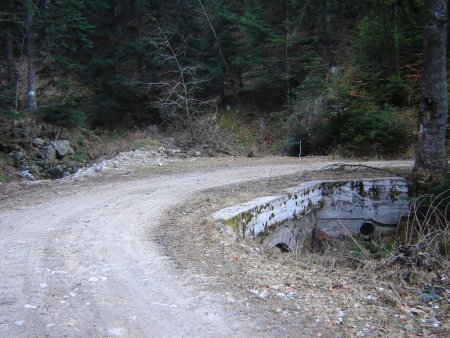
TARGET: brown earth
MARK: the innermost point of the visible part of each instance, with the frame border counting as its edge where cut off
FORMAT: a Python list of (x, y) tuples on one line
[(129, 255)]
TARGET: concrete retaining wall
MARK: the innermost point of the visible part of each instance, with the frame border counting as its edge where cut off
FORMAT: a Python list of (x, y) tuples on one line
[(337, 207)]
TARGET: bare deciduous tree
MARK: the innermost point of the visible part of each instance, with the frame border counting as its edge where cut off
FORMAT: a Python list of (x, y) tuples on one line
[(178, 86)]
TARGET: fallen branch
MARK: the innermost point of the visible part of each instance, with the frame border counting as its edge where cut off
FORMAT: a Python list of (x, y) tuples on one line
[(221, 150)]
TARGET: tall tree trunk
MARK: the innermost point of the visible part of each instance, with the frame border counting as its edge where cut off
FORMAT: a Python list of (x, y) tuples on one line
[(9, 53), (430, 149), (397, 39), (286, 52), (30, 56)]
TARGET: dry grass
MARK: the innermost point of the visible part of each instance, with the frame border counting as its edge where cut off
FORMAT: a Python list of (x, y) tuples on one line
[(111, 144), (429, 222), (343, 291)]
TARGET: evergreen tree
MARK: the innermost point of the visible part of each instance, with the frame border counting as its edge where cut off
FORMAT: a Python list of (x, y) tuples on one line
[(96, 59)]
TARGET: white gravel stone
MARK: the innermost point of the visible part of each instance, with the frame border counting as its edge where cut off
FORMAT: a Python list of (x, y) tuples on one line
[(19, 323)]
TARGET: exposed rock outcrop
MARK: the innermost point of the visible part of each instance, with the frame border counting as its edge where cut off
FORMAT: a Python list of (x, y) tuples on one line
[(62, 148)]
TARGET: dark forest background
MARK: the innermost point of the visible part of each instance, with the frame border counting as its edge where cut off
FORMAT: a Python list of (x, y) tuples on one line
[(320, 75)]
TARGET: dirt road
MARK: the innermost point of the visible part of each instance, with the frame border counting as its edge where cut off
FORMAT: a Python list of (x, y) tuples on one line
[(83, 264)]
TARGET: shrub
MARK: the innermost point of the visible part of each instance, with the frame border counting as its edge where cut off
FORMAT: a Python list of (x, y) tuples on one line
[(358, 128), (395, 91), (7, 99), (369, 129), (64, 115)]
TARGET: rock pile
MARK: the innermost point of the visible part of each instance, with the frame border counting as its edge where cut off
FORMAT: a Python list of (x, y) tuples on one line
[(47, 160), (39, 158), (126, 161)]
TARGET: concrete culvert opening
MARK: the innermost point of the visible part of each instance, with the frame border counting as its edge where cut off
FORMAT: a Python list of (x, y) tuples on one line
[(367, 229), (372, 229), (283, 247), (362, 207)]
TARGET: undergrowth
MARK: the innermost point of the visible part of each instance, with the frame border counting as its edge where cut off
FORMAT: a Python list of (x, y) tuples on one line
[(4, 178), (252, 135)]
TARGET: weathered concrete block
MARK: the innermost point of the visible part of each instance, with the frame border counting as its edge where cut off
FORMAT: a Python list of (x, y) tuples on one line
[(383, 200), (338, 207), (253, 218)]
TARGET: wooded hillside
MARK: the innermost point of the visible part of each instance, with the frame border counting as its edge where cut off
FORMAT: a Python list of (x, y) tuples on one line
[(327, 74)]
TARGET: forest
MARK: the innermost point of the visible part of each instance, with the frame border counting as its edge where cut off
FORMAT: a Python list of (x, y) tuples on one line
[(301, 76)]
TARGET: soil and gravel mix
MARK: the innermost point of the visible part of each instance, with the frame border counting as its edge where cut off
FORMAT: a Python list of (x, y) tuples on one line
[(338, 293)]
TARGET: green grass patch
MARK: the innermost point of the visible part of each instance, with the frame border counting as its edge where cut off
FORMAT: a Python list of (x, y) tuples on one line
[(82, 157), (377, 248), (146, 144), (4, 178), (114, 135), (263, 134), (3, 158), (77, 138)]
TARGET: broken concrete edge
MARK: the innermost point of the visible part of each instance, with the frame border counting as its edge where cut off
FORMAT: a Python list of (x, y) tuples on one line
[(339, 206)]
